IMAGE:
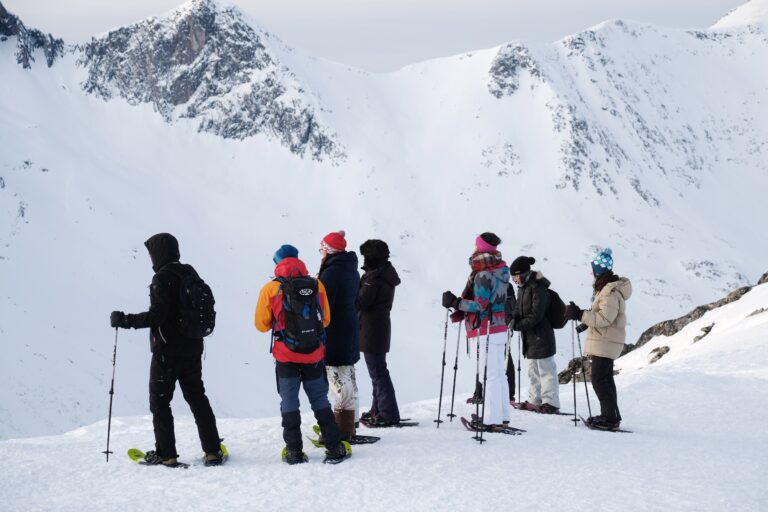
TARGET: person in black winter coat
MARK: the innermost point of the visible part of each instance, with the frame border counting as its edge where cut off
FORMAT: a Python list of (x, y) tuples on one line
[(338, 273), (174, 356), (374, 303), (538, 335)]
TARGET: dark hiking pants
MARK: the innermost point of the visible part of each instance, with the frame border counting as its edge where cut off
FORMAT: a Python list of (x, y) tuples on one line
[(384, 405), (290, 377), (605, 387), (163, 374)]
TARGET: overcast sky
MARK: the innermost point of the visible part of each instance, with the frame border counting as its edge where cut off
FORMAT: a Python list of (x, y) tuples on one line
[(383, 35)]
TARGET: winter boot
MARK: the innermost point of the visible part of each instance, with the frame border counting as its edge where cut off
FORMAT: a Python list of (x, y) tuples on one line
[(338, 453), (294, 456), (345, 420), (152, 458), (548, 409), (603, 423), (214, 459)]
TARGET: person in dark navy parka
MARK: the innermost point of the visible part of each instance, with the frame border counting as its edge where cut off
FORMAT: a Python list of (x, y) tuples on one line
[(338, 273)]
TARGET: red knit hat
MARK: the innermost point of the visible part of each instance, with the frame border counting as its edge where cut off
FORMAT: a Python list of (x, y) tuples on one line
[(335, 242)]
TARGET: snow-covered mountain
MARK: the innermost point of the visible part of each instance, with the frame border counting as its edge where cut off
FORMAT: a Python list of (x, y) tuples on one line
[(650, 140)]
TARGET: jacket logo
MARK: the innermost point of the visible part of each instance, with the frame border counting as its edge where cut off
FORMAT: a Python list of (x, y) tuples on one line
[(306, 291)]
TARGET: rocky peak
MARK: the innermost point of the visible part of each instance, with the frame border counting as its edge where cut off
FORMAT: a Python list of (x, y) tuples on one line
[(28, 41), (207, 62)]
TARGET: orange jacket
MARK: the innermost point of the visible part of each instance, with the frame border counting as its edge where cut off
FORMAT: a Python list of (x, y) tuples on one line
[(269, 312)]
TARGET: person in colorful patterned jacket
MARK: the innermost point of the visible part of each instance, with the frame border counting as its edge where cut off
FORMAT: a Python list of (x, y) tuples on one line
[(294, 369), (484, 310), (539, 344), (606, 321)]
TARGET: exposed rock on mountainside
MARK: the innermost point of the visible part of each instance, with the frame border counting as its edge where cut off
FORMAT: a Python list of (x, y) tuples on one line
[(208, 63), (28, 40)]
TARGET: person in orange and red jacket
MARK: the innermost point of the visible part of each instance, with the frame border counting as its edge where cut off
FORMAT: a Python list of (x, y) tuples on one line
[(294, 369)]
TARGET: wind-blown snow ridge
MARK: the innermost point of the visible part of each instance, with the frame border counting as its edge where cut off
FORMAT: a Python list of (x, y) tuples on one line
[(753, 13)]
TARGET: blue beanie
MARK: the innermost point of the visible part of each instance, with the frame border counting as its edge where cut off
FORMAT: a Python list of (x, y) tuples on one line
[(285, 251), (603, 262)]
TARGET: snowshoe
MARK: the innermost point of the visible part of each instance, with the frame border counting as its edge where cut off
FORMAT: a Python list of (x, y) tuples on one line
[(382, 423), (151, 458), (294, 456), (356, 439), (338, 454)]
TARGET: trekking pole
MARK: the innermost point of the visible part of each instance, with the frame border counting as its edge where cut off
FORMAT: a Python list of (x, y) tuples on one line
[(455, 369), (442, 372), (575, 419), (583, 372), (519, 368), (111, 395), (485, 378)]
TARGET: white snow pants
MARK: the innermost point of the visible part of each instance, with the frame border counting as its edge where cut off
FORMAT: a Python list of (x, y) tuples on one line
[(497, 387), (544, 388), (342, 389)]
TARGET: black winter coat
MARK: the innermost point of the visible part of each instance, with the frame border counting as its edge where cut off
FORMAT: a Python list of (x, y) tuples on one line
[(164, 297), (339, 275), (374, 302), (531, 318)]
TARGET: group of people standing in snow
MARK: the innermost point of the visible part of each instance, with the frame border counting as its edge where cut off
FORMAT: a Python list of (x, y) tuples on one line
[(318, 328), (320, 325), (491, 311)]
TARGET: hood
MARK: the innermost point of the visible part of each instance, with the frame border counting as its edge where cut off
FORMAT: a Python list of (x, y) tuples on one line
[(386, 272), (163, 249), (538, 279), (623, 286), (290, 267)]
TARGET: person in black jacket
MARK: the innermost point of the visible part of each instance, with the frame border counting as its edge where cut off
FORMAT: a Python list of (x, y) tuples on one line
[(338, 273), (174, 356), (374, 302), (538, 335)]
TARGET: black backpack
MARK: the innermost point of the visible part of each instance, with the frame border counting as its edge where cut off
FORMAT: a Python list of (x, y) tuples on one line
[(303, 330), (556, 310), (197, 318)]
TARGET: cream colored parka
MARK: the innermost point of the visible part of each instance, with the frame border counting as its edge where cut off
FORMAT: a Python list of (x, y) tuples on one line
[(607, 320)]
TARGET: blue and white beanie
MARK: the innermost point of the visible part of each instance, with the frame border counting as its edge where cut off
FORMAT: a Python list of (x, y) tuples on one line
[(603, 262)]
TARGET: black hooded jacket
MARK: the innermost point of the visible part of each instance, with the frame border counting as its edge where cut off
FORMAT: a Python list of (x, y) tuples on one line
[(164, 298), (531, 318), (374, 302), (338, 274)]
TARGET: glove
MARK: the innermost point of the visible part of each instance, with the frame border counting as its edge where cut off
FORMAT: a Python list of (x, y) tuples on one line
[(457, 316), (450, 300), (119, 319), (573, 312)]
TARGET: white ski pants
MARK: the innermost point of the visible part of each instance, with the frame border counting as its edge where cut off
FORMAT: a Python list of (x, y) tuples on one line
[(544, 388), (342, 389), (497, 387)]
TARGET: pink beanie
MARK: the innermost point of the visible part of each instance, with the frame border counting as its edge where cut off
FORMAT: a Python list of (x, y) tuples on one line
[(484, 246)]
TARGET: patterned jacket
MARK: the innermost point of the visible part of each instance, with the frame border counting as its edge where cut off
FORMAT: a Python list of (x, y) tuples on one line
[(489, 290)]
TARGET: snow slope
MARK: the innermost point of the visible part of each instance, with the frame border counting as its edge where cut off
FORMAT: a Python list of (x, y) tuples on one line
[(698, 445), (649, 140)]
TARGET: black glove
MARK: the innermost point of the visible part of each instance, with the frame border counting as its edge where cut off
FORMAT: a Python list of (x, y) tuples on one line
[(457, 316), (450, 300), (573, 312), (119, 319)]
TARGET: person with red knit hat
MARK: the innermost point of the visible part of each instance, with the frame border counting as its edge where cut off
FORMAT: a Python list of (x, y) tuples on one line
[(339, 275)]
